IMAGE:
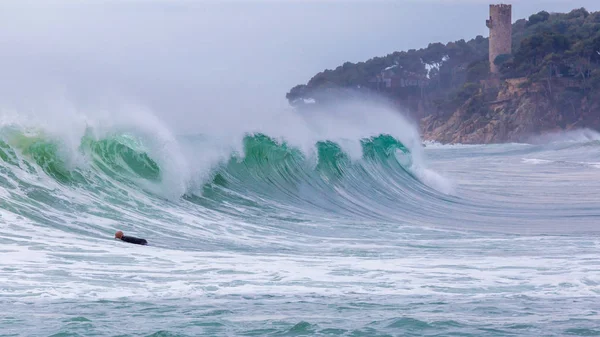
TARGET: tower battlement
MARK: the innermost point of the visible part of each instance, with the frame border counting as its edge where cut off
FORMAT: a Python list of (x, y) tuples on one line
[(500, 25)]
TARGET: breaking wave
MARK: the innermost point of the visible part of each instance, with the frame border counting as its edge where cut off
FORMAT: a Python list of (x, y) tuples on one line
[(50, 181)]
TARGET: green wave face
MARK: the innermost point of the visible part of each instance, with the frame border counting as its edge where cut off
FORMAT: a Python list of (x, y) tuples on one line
[(38, 150), (45, 154), (332, 160), (7, 154), (116, 157), (264, 159), (276, 172), (268, 161), (269, 173), (382, 147), (119, 156)]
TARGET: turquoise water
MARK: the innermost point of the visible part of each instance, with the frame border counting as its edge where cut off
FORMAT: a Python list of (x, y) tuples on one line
[(271, 238)]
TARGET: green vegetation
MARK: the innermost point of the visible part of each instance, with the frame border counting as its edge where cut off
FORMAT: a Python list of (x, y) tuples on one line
[(432, 70), (557, 45), (547, 48)]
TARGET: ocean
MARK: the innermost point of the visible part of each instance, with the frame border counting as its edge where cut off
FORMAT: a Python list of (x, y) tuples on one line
[(339, 234)]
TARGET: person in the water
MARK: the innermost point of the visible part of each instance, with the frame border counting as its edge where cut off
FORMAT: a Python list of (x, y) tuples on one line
[(119, 235)]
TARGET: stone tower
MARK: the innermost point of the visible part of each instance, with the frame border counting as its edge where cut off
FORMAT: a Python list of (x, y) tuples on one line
[(500, 25)]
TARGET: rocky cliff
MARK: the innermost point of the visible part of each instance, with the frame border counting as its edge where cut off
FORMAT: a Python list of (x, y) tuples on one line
[(515, 112)]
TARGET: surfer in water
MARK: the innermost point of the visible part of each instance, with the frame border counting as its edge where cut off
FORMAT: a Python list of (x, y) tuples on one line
[(119, 235)]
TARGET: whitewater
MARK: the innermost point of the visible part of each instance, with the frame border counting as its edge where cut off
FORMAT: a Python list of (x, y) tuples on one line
[(325, 223)]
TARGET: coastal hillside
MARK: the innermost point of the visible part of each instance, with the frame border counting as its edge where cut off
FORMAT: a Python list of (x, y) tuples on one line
[(550, 81)]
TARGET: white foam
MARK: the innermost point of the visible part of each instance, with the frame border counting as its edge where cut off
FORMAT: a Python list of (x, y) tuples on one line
[(578, 136), (535, 161), (113, 270)]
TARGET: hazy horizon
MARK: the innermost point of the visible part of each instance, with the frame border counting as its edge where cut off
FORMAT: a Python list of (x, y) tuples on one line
[(194, 58)]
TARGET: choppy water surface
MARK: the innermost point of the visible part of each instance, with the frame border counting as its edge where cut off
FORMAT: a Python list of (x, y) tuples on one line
[(278, 240)]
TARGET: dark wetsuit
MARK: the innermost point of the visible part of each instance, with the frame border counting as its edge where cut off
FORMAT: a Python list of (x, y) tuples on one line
[(137, 241)]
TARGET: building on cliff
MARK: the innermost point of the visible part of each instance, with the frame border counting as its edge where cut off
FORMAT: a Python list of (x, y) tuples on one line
[(394, 78), (500, 25)]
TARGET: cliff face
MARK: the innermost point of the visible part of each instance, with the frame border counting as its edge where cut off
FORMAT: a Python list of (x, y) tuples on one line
[(518, 111)]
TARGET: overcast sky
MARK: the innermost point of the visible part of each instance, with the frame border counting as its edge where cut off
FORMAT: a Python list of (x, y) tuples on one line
[(191, 58)]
